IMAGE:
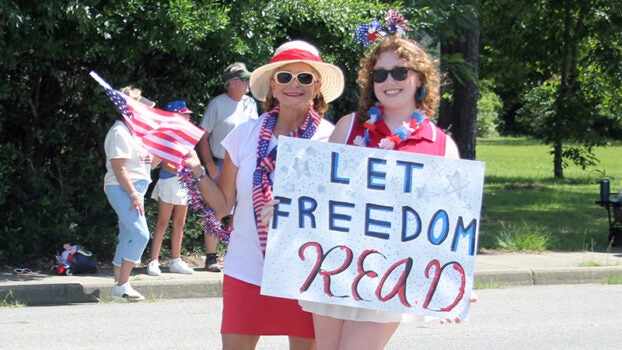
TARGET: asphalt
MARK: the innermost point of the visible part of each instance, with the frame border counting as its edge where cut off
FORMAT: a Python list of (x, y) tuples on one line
[(492, 270)]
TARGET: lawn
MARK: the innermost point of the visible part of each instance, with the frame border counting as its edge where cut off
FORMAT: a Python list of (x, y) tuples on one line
[(525, 208)]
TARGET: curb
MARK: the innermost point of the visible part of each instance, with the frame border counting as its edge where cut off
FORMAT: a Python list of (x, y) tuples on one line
[(547, 276), (98, 290)]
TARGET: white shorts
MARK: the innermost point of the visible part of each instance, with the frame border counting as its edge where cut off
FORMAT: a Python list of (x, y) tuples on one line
[(170, 191), (358, 314)]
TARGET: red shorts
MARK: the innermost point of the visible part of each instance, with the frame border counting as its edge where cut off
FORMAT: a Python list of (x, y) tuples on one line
[(245, 311)]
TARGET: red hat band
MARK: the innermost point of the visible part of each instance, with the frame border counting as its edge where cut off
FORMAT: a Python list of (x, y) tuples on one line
[(295, 55)]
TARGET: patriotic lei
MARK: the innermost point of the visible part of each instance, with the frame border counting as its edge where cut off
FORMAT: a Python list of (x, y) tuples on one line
[(400, 134), (262, 184), (212, 226)]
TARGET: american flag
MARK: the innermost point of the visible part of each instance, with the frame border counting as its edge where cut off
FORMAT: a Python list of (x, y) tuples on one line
[(164, 134)]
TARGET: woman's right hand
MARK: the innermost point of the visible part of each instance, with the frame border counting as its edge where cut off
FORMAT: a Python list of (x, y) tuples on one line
[(268, 211)]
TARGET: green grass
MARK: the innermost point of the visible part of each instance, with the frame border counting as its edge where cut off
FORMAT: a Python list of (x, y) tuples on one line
[(8, 302), (525, 208)]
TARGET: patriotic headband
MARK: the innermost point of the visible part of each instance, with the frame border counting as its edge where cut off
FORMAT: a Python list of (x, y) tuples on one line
[(367, 33)]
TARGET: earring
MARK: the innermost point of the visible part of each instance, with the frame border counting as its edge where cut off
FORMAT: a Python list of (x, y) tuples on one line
[(371, 95), (420, 93)]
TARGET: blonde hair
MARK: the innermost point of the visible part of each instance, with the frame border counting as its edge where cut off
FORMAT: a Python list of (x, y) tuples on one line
[(421, 61), (132, 92)]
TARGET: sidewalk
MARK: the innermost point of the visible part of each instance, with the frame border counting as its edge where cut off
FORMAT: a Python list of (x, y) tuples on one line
[(492, 270)]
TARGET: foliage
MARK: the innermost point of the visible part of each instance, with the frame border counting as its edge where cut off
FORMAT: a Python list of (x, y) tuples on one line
[(488, 106), (523, 237), (54, 117), (574, 44)]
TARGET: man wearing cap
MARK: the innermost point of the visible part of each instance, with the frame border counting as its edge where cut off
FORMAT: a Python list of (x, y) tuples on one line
[(223, 113)]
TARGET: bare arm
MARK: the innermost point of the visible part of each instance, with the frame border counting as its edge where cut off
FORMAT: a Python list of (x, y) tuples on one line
[(220, 197), (342, 129), (207, 156), (156, 162), (451, 149)]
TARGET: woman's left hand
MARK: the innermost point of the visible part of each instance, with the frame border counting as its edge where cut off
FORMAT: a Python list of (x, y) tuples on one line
[(137, 203), (192, 160)]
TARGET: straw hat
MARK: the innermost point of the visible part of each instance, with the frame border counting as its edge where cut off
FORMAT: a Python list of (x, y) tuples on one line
[(298, 51)]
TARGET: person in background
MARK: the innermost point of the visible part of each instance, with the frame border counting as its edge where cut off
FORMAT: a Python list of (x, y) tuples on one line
[(296, 87), (223, 114), (400, 86), (172, 199), (128, 174)]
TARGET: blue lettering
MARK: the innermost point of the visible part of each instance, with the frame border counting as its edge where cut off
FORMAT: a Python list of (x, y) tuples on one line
[(307, 206), (439, 216), (380, 223), (408, 173), (333, 216), (374, 176), (468, 232), (409, 235), (334, 164)]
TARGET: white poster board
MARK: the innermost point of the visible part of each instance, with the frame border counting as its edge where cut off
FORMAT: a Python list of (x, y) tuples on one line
[(373, 228)]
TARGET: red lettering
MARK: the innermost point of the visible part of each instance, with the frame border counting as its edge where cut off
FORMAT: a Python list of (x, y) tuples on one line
[(400, 286), (434, 284), (362, 272), (326, 275)]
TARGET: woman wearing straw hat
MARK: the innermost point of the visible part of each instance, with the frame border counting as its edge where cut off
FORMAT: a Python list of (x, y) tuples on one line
[(296, 86)]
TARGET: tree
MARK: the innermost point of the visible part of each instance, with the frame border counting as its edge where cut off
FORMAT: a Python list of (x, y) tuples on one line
[(461, 110), (575, 44), (54, 116)]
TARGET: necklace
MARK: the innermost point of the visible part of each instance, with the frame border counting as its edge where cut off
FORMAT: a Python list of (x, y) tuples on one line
[(400, 134)]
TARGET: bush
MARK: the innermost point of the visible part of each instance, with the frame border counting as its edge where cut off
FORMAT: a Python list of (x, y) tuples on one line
[(488, 106)]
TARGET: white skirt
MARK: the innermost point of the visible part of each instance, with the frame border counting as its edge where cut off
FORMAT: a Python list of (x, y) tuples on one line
[(358, 314), (170, 191)]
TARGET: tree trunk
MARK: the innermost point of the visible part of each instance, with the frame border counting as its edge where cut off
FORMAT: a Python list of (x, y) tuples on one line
[(460, 117), (558, 168)]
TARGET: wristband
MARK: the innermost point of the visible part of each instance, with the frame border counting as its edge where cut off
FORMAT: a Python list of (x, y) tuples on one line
[(134, 194), (203, 174)]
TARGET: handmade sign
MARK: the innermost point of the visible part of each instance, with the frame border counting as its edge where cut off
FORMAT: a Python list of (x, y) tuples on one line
[(373, 228)]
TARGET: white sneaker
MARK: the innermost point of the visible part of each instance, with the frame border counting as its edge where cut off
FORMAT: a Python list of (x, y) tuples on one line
[(153, 268), (125, 292), (179, 266)]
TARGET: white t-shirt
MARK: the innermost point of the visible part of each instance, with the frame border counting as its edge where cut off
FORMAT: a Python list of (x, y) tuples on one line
[(120, 144), (244, 259), (222, 115)]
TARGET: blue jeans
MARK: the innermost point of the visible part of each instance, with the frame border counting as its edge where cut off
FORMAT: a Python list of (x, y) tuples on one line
[(133, 229)]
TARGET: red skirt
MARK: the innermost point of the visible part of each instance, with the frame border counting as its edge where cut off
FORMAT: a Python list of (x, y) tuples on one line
[(245, 311)]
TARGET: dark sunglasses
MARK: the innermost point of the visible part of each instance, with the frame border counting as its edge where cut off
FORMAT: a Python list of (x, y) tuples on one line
[(303, 78), (398, 73)]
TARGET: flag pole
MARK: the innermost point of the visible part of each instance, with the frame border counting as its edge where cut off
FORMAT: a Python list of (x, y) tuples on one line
[(100, 80)]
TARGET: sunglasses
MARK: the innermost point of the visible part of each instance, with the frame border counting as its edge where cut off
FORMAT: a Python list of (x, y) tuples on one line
[(398, 73), (303, 78), (241, 79)]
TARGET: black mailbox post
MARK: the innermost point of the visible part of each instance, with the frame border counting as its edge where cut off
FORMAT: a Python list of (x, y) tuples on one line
[(613, 203)]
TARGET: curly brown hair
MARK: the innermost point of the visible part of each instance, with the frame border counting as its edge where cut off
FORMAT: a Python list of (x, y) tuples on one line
[(420, 60)]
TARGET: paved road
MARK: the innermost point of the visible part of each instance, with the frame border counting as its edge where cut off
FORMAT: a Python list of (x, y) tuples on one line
[(585, 316)]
